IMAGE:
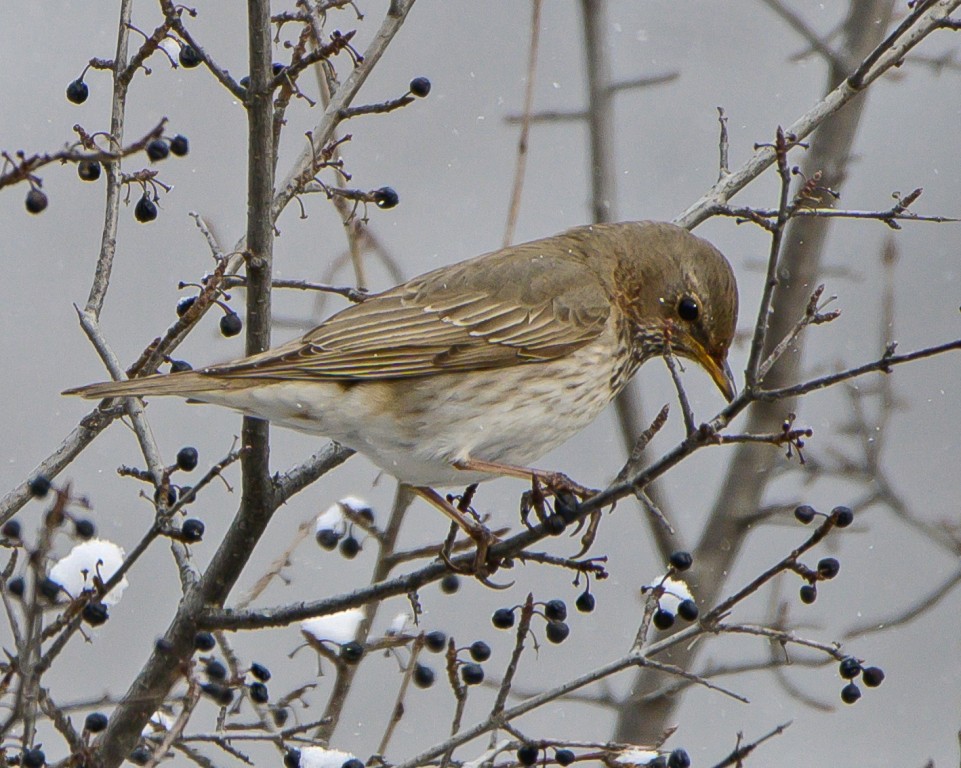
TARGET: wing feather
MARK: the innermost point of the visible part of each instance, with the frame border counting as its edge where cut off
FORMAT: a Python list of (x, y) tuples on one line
[(526, 304)]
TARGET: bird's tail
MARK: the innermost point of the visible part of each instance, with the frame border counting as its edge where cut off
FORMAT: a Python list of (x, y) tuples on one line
[(182, 384)]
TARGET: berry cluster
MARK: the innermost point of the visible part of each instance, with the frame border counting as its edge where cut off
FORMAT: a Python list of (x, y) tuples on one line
[(556, 629), (471, 672), (850, 669), (335, 527), (674, 599), (157, 149), (84, 529), (827, 567), (529, 754), (230, 322), (166, 495), (220, 686)]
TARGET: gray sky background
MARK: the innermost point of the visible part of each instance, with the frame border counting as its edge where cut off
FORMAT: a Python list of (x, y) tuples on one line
[(450, 157)]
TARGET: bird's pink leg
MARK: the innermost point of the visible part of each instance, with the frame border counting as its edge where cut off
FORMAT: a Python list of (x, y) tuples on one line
[(478, 533), (553, 481)]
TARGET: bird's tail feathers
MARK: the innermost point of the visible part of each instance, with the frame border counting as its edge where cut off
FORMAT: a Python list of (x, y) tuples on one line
[(183, 384)]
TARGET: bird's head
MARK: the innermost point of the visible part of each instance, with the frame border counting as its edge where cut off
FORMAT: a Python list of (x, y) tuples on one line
[(682, 298)]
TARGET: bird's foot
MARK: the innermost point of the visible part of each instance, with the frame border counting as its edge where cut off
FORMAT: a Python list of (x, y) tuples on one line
[(466, 520), (558, 483), (566, 492), (481, 567), (567, 497)]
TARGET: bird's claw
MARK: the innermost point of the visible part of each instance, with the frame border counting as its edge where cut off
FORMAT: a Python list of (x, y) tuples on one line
[(567, 497)]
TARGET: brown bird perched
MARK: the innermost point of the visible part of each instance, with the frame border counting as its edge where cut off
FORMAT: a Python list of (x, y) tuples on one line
[(481, 367)]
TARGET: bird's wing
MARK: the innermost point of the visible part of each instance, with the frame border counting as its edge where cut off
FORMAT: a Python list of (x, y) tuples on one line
[(524, 304)]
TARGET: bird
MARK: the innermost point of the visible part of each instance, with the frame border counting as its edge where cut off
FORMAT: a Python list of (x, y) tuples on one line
[(480, 368)]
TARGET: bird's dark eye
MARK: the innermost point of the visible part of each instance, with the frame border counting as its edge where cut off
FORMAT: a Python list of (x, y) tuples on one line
[(687, 308)]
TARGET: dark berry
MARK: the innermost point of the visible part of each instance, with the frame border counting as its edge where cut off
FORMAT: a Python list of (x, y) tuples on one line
[(179, 366), (687, 610), (450, 584), (422, 676), (352, 763), (260, 672), (158, 150), (349, 547), (189, 58), (435, 641), (185, 304), (479, 650), (140, 756), (231, 324), (420, 87), (658, 762), (277, 68), (678, 759), (849, 668), (49, 589), (663, 619), (258, 692), (88, 170), (872, 676), (219, 693), (292, 758), (145, 210), (850, 693), (33, 758), (809, 593), (386, 197), (279, 715), (215, 670), (192, 530), (244, 82), (585, 602), (204, 641), (95, 722), (17, 586), (828, 568), (352, 652), (555, 525), (95, 614), (503, 618), (557, 631), (805, 513), (163, 645), (328, 538), (681, 560), (36, 201), (180, 145), (11, 529), (843, 516), (528, 754), (567, 506), (77, 91), (472, 674), (555, 610), (187, 459), (39, 487), (564, 757), (85, 529)]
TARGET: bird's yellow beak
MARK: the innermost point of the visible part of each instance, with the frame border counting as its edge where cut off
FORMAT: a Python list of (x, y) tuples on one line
[(716, 365)]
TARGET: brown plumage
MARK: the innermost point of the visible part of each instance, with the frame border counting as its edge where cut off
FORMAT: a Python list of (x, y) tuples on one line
[(498, 358)]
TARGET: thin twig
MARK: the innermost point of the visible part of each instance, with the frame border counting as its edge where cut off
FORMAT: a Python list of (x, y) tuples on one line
[(513, 209)]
